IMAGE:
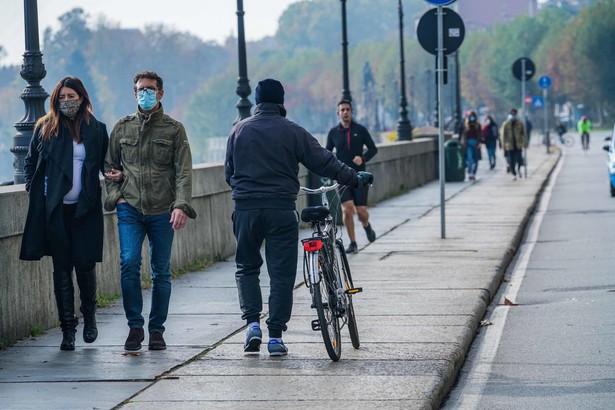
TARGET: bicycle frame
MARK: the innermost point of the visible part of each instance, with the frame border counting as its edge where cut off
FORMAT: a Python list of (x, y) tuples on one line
[(321, 235), (327, 274)]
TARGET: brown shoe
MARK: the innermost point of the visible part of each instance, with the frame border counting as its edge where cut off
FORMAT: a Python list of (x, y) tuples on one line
[(135, 337), (156, 341)]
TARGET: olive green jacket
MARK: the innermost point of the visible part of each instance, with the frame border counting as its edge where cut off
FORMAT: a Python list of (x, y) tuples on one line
[(153, 153), (506, 135)]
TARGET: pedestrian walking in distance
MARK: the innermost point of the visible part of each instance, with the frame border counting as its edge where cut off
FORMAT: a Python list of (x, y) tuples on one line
[(262, 166), (65, 219), (353, 146)]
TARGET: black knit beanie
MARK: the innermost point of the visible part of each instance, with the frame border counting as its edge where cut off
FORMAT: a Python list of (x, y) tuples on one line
[(269, 90)]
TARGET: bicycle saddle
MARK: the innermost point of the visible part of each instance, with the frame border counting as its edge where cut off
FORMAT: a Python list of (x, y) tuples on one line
[(314, 213)]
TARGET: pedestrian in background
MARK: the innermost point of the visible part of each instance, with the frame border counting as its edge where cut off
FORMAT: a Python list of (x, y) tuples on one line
[(149, 181), (490, 136), (353, 146), (513, 141), (65, 220), (262, 166), (528, 129), (560, 128), (471, 141)]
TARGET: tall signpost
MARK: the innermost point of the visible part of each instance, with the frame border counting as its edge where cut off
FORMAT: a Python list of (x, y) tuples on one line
[(523, 69), (447, 27), (544, 82)]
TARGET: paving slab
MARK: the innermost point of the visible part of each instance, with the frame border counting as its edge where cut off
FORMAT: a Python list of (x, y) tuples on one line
[(422, 303)]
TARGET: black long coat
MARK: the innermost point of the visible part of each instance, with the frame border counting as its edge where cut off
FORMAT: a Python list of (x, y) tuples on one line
[(45, 220)]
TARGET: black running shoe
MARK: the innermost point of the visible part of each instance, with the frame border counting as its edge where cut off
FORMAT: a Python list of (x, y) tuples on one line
[(371, 235), (352, 248)]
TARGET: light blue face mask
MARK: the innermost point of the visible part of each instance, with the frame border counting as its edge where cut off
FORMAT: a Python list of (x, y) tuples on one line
[(147, 99)]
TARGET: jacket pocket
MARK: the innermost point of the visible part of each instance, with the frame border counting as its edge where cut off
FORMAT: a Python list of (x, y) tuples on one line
[(129, 149), (163, 151)]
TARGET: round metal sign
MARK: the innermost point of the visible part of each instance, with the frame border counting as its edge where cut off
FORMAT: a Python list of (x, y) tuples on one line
[(440, 2), (517, 67), (544, 82), (427, 31)]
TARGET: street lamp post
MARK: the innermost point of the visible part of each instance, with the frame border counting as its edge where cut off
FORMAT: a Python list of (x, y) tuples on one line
[(346, 90), (243, 83), (404, 128), (33, 96)]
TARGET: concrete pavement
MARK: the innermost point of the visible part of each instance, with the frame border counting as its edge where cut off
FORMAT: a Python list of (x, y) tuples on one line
[(423, 300)]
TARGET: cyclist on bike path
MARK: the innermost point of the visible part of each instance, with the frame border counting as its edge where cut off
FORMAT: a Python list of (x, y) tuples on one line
[(348, 138), (262, 166), (584, 126)]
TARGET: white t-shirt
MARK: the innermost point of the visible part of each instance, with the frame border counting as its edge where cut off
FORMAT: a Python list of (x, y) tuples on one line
[(78, 157)]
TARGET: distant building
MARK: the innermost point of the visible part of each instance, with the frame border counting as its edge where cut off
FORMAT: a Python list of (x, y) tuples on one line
[(480, 14), (573, 5)]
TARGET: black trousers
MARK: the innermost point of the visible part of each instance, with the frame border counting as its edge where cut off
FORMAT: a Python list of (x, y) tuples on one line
[(515, 159), (63, 254), (279, 229)]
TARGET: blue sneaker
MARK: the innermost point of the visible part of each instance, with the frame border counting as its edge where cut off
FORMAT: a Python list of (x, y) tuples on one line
[(253, 340), (277, 348)]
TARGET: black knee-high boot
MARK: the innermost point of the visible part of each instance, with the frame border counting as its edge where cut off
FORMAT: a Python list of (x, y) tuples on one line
[(65, 300), (87, 292)]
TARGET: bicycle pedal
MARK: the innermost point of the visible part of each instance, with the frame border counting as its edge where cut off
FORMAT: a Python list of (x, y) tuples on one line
[(316, 325), (352, 291)]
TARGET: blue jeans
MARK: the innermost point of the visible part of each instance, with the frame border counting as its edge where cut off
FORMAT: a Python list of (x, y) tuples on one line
[(472, 155), (133, 226), (491, 153)]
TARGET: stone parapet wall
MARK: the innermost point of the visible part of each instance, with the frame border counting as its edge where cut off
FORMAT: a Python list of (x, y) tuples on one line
[(26, 288)]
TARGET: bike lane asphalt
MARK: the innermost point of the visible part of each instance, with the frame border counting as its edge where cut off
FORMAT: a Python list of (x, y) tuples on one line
[(422, 302)]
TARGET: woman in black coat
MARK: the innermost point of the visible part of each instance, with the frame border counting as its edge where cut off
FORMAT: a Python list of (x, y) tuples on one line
[(65, 219)]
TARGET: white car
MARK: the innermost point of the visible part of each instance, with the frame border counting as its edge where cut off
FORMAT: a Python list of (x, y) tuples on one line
[(609, 147)]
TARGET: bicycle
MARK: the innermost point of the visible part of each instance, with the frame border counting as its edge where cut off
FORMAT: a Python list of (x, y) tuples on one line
[(567, 140), (327, 275), (564, 139)]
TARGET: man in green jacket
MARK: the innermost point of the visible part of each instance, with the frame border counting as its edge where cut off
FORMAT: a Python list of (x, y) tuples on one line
[(513, 140), (584, 126), (149, 181)]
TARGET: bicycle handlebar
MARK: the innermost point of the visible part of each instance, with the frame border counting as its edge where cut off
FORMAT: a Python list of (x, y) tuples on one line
[(319, 190)]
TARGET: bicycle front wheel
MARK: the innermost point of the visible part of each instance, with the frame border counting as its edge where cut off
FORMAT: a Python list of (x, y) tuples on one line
[(568, 141), (346, 278), (325, 303)]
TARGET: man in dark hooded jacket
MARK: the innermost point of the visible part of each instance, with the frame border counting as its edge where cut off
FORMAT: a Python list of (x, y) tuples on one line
[(262, 166)]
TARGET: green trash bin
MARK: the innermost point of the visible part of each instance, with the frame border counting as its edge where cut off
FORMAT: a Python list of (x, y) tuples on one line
[(454, 164)]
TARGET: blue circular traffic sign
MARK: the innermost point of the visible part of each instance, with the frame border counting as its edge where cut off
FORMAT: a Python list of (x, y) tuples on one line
[(440, 2), (544, 82)]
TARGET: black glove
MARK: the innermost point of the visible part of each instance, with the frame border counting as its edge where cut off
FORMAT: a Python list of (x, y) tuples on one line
[(364, 178)]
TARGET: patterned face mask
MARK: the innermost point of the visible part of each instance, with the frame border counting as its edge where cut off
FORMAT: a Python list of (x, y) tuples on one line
[(70, 107)]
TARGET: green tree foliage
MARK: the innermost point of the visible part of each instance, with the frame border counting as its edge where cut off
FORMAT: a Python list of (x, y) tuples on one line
[(108, 60), (595, 47), (317, 23)]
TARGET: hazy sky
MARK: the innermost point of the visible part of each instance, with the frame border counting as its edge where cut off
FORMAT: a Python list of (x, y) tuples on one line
[(207, 19)]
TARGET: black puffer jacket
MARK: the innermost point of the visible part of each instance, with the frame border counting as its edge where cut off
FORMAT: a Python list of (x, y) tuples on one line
[(263, 155)]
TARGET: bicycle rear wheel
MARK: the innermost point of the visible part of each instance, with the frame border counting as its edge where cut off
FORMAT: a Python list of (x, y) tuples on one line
[(325, 303), (346, 278), (568, 141)]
